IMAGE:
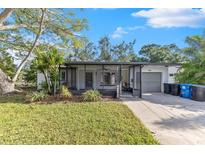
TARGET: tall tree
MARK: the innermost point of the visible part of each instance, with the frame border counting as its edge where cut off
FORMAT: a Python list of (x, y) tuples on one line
[(192, 71), (87, 52), (161, 54), (124, 52), (26, 28), (105, 49)]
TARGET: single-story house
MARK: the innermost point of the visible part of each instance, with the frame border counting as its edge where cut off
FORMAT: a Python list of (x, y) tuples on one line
[(115, 78)]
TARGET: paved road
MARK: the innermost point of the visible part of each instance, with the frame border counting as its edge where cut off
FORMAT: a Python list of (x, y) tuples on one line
[(172, 119)]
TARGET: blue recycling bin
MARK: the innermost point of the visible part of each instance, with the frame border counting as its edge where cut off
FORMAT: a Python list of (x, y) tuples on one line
[(186, 90)]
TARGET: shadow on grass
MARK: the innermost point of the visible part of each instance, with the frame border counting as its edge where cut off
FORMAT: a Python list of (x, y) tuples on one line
[(13, 98)]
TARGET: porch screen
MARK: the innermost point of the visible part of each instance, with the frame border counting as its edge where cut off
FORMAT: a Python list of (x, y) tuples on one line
[(108, 78)]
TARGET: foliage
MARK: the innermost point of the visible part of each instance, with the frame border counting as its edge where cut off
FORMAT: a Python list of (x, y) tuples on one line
[(91, 96), (7, 63), (44, 86), (25, 28), (30, 73), (124, 52), (192, 73), (36, 96), (74, 123), (64, 92), (161, 54), (107, 52), (47, 62), (193, 70), (87, 52), (105, 49)]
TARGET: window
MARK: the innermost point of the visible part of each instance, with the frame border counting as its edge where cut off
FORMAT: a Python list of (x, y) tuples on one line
[(63, 76), (108, 78), (171, 75)]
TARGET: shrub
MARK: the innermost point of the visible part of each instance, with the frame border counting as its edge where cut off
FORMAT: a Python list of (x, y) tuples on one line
[(64, 92), (91, 96), (44, 86), (36, 96)]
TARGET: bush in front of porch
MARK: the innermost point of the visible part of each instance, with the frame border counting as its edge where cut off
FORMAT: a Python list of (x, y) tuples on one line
[(91, 96)]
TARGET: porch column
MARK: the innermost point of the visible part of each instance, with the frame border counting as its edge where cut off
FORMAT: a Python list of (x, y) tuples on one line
[(140, 92)]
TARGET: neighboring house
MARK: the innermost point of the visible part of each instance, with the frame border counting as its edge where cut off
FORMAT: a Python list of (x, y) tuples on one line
[(115, 78)]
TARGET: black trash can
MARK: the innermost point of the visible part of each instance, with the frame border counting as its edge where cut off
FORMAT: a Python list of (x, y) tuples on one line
[(167, 88), (198, 93), (175, 89)]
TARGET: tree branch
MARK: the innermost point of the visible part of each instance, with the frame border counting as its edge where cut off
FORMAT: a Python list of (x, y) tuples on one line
[(8, 27), (32, 48), (6, 13)]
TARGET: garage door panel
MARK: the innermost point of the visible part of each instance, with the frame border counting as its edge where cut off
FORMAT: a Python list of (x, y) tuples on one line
[(151, 82)]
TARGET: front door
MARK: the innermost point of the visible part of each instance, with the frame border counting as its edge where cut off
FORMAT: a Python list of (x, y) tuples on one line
[(88, 80)]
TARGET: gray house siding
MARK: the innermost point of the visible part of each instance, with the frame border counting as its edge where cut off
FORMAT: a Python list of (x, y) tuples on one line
[(115, 78)]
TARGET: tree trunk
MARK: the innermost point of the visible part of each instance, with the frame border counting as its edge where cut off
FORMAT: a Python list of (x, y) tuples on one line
[(6, 85), (54, 88), (22, 64)]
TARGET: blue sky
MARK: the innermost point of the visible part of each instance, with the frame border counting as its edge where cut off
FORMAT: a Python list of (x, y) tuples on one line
[(160, 26)]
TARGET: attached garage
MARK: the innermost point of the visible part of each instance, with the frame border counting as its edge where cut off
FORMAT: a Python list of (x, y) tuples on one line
[(151, 81)]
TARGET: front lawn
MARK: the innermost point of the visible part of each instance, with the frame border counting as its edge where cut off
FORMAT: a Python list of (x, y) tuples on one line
[(72, 123)]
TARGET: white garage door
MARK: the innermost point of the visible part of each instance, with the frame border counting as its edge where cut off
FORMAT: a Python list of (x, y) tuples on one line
[(151, 82)]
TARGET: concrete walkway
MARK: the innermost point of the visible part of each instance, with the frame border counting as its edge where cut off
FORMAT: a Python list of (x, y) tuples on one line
[(172, 119)]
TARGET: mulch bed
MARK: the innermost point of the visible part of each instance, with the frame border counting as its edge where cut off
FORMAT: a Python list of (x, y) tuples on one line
[(75, 98)]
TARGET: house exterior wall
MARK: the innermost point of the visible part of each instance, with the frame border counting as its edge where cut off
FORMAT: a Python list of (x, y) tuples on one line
[(40, 80), (167, 75), (162, 69), (172, 70)]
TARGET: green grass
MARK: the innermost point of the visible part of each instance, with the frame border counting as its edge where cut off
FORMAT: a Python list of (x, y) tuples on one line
[(73, 123)]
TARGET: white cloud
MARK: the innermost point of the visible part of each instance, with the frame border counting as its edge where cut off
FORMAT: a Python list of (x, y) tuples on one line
[(118, 33), (135, 28), (186, 17)]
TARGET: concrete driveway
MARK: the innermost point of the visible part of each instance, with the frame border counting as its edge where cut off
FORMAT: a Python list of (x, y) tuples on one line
[(172, 119)]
